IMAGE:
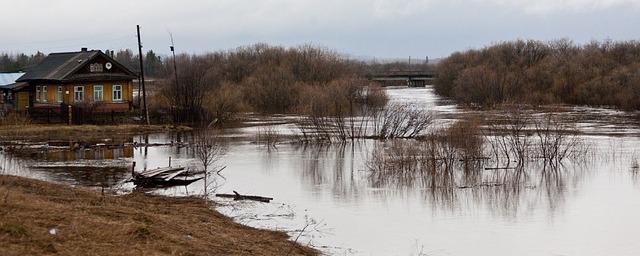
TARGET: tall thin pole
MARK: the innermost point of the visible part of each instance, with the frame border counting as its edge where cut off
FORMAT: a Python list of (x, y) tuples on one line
[(175, 67), (144, 89)]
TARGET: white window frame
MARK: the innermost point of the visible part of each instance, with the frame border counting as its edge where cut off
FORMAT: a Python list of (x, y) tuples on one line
[(43, 90), (38, 92), (41, 93), (95, 99), (77, 92), (60, 94), (117, 93)]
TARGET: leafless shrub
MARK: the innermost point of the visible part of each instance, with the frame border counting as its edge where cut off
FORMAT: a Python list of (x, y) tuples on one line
[(394, 121), (209, 148), (268, 137), (14, 118), (557, 140), (536, 72), (222, 103), (431, 160), (401, 121), (511, 138), (258, 78)]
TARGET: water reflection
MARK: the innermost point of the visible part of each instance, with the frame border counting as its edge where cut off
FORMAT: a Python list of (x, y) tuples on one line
[(532, 209)]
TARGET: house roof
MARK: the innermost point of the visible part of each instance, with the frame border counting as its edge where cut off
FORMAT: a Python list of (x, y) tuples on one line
[(59, 66), (9, 78), (14, 86)]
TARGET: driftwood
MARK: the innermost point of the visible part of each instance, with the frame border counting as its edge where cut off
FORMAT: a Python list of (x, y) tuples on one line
[(238, 196), (163, 177), (499, 168)]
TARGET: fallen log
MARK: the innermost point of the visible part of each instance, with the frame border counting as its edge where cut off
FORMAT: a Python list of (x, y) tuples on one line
[(499, 168), (238, 196)]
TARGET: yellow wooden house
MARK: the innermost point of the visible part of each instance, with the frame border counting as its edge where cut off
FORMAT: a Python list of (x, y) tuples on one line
[(85, 78)]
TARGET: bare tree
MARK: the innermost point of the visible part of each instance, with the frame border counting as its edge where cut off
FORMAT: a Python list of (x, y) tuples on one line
[(209, 148)]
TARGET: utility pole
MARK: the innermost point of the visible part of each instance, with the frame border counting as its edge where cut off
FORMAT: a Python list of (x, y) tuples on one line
[(175, 67), (144, 90)]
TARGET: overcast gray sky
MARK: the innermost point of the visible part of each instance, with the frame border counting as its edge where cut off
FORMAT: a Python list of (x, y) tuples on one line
[(374, 28)]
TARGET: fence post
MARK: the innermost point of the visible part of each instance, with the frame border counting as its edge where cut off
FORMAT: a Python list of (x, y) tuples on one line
[(70, 114)]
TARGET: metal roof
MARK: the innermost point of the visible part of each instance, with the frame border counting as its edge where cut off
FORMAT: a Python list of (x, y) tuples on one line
[(9, 78), (14, 86)]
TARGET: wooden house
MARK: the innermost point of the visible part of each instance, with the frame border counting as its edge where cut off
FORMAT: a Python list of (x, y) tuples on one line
[(86, 79), (7, 81)]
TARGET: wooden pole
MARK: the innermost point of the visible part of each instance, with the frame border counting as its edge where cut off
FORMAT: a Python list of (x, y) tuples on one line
[(69, 109), (175, 67), (144, 89)]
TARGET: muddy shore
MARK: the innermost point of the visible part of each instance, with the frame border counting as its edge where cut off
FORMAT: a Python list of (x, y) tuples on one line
[(41, 218)]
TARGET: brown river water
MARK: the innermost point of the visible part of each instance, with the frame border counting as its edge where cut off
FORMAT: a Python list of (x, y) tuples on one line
[(325, 198)]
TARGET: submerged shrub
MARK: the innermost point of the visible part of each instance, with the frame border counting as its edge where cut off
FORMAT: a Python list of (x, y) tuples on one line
[(536, 72)]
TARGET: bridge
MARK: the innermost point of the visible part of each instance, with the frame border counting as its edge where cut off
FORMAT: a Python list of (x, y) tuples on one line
[(411, 78)]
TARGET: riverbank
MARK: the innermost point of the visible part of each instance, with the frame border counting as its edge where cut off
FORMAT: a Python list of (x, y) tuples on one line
[(81, 132), (38, 218)]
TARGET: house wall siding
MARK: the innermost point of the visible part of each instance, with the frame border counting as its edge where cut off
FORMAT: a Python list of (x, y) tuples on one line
[(22, 100), (106, 105), (107, 92)]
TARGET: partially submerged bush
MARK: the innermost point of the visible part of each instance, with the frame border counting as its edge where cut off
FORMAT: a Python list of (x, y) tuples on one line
[(463, 149), (394, 121), (258, 78), (557, 140), (401, 121), (536, 72)]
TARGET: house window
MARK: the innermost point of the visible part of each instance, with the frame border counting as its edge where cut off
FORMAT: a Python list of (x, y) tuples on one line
[(95, 67), (41, 93), (59, 94), (78, 93), (97, 93), (117, 92), (38, 93)]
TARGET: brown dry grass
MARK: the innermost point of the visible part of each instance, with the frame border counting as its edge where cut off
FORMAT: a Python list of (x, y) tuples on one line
[(88, 223)]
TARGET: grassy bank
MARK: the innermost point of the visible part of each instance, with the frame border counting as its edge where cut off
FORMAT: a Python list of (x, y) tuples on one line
[(63, 132), (87, 222)]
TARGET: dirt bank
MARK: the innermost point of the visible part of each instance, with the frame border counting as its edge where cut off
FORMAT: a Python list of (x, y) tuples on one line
[(86, 222)]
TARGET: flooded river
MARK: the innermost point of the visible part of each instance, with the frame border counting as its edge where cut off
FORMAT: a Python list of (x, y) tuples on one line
[(324, 195)]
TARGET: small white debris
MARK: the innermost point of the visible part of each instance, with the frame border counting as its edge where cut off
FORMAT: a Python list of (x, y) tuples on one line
[(53, 231)]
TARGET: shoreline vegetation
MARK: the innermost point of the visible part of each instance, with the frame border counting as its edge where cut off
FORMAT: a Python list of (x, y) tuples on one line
[(213, 88), (264, 79), (540, 73), (38, 218)]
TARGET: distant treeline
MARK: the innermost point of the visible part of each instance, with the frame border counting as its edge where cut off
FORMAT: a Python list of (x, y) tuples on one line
[(265, 79), (11, 63), (153, 63), (596, 74)]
